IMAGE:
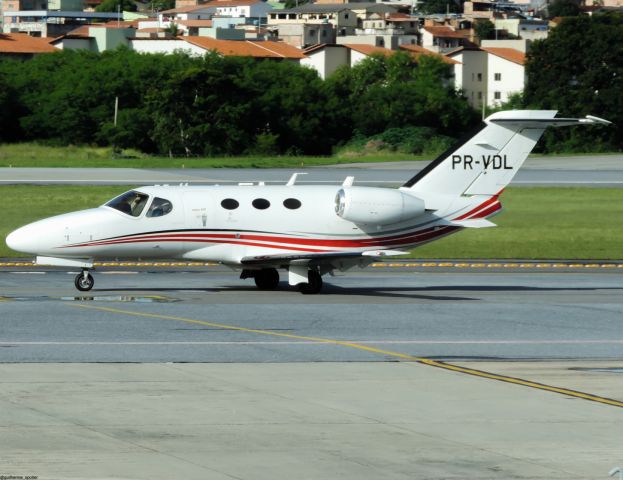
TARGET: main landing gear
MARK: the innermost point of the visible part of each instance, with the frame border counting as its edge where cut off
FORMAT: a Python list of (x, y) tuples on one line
[(314, 284), (84, 281), (268, 279)]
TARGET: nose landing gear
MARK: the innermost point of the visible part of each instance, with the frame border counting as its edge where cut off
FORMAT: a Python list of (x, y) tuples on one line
[(84, 281)]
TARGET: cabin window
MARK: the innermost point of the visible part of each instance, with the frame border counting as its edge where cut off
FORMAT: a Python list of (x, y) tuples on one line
[(292, 203), (261, 203), (131, 203), (230, 204), (159, 207)]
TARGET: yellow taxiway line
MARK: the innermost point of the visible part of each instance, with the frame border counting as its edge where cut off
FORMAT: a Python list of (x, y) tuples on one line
[(358, 346)]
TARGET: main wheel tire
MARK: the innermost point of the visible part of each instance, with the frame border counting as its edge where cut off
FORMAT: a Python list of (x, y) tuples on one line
[(267, 279), (313, 286), (84, 284)]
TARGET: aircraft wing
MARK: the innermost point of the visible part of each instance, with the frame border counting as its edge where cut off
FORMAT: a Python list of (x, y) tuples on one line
[(317, 258)]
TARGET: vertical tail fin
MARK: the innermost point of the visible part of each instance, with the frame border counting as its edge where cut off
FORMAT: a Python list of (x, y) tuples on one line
[(487, 162)]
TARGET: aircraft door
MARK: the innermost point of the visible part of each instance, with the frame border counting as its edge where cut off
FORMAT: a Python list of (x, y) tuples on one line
[(199, 210)]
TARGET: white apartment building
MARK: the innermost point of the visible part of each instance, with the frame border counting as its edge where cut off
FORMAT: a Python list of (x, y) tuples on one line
[(489, 74)]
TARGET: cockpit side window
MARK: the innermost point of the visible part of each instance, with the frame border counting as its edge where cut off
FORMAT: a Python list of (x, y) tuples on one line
[(131, 203), (159, 207)]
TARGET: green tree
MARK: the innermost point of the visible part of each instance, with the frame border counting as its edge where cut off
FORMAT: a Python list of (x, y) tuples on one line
[(393, 92), (430, 7), (485, 30), (578, 70), (113, 5), (563, 8)]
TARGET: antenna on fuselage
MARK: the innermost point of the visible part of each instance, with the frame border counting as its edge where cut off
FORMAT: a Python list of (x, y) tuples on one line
[(292, 180)]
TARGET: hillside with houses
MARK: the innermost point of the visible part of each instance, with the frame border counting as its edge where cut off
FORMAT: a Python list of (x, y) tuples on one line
[(485, 48)]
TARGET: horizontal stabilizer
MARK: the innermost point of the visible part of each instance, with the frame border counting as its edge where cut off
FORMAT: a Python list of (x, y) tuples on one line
[(471, 223), (529, 122)]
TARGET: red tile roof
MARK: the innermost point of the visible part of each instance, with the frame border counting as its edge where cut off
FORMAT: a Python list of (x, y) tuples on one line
[(444, 32), (195, 23), (509, 54), (416, 51), (369, 49), (21, 43), (246, 48)]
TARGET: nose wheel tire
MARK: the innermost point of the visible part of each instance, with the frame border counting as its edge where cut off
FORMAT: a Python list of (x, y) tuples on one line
[(83, 282), (267, 279), (313, 286)]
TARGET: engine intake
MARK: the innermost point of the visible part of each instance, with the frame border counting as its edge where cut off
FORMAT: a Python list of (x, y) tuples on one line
[(377, 206)]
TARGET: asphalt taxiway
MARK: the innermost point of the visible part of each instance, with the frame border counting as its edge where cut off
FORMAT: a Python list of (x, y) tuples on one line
[(595, 171), (394, 372), (162, 314)]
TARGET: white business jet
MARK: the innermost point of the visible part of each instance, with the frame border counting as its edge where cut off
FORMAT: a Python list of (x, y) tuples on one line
[(308, 231)]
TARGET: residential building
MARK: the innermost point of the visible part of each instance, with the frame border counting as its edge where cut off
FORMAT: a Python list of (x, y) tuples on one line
[(470, 75), (519, 27), (201, 45), (506, 74), (96, 38), (441, 39), (21, 45), (326, 59), (489, 74), (255, 11), (343, 19), (46, 23)]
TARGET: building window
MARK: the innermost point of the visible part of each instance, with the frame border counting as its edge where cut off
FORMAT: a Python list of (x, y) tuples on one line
[(497, 77), (230, 204), (261, 203), (479, 95), (324, 33), (480, 77), (497, 95), (312, 33), (346, 16), (472, 77), (292, 203)]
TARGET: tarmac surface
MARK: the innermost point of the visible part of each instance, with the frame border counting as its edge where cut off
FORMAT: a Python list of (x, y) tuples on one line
[(596, 171), (481, 370), (156, 315), (393, 372)]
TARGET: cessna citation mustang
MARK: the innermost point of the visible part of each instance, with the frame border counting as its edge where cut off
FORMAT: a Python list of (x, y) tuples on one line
[(307, 230)]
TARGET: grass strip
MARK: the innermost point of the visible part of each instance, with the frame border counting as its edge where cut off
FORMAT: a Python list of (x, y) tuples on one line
[(33, 155), (537, 223)]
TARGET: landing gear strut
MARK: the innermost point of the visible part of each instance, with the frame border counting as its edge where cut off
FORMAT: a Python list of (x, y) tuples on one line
[(84, 281), (314, 284)]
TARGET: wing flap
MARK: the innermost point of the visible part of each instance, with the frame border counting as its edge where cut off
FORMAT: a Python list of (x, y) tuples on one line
[(315, 258)]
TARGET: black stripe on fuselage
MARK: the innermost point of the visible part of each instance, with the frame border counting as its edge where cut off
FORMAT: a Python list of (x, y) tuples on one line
[(435, 163)]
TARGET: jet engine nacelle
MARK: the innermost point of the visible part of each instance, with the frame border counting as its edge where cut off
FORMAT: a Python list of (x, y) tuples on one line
[(377, 206)]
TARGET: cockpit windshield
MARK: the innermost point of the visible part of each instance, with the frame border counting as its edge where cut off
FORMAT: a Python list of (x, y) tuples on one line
[(159, 207), (130, 203)]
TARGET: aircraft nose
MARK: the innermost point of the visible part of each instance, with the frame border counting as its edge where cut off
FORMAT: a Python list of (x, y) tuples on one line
[(23, 239)]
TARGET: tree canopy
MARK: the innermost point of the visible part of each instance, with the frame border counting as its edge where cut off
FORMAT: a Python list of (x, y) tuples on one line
[(217, 105), (113, 5), (578, 70)]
